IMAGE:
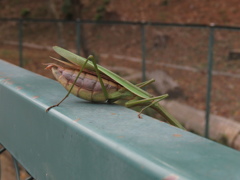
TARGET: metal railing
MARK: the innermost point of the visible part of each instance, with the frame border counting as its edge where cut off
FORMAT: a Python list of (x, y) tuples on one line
[(72, 142), (142, 25)]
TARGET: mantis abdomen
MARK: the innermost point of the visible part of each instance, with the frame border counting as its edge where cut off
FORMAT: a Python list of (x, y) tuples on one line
[(87, 86)]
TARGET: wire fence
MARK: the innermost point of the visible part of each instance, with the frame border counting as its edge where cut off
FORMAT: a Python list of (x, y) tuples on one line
[(185, 52)]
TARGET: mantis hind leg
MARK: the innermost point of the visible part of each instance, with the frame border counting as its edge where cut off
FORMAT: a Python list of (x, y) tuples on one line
[(145, 102), (153, 103), (70, 88)]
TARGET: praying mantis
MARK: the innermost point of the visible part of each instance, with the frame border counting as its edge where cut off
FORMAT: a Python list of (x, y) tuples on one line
[(87, 80)]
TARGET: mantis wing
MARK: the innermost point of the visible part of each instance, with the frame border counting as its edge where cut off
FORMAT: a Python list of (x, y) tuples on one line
[(79, 61)]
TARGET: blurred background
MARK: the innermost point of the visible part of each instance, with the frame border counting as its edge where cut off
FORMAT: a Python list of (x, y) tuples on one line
[(191, 48)]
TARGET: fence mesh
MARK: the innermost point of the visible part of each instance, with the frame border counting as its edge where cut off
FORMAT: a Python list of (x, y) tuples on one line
[(178, 53)]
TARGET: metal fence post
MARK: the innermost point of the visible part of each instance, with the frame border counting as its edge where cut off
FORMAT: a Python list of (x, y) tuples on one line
[(209, 76), (78, 36), (20, 41), (143, 43), (17, 171)]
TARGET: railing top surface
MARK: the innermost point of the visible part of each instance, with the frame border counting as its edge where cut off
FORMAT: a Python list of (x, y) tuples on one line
[(98, 141)]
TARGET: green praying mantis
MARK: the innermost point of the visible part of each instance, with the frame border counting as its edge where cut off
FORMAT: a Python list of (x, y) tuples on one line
[(87, 80)]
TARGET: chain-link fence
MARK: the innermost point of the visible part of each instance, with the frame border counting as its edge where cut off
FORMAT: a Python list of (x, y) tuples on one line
[(185, 53)]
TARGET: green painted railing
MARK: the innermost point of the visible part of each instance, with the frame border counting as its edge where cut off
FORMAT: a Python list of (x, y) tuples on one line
[(82, 140)]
